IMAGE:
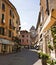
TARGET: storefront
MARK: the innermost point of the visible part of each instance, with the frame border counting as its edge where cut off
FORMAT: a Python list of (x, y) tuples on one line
[(6, 46)]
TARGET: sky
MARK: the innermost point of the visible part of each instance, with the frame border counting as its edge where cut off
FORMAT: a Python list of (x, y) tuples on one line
[(28, 11)]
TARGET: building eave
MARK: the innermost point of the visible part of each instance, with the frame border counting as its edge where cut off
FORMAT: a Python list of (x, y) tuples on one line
[(49, 22)]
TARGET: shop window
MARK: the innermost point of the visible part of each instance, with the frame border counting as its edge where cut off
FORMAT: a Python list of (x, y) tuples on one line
[(3, 6), (4, 46)]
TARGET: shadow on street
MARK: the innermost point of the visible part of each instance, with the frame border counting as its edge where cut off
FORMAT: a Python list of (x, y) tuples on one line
[(25, 57)]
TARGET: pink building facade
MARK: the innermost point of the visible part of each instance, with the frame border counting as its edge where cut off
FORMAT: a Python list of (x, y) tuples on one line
[(25, 38)]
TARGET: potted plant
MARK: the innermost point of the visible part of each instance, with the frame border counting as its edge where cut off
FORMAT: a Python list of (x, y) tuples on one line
[(50, 47), (40, 54), (44, 58), (51, 62)]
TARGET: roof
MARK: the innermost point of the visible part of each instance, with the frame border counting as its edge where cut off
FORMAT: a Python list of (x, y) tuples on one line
[(32, 28), (23, 31)]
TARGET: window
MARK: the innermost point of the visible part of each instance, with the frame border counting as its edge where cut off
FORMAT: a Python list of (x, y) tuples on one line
[(42, 14), (22, 40), (4, 46), (3, 6), (41, 27), (1, 31), (16, 22), (10, 22), (10, 13), (9, 33), (27, 35), (13, 15), (22, 35), (12, 34), (27, 40), (2, 18), (47, 7), (40, 35), (41, 40)]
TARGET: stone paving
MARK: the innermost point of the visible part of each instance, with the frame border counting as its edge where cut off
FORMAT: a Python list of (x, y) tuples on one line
[(25, 57)]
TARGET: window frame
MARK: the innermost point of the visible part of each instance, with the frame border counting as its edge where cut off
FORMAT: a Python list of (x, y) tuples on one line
[(10, 12), (23, 36), (47, 9), (2, 31), (3, 6), (2, 19), (9, 33)]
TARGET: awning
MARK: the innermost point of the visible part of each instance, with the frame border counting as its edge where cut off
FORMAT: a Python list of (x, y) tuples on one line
[(50, 21), (4, 41)]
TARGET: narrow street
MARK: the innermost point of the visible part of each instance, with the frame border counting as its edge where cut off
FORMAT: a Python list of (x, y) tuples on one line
[(25, 57)]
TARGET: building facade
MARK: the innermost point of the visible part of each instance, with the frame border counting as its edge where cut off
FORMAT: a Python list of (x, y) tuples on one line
[(32, 34), (25, 38), (9, 25), (47, 21), (37, 39)]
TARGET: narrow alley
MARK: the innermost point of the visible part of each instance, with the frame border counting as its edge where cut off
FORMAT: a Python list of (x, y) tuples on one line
[(25, 57)]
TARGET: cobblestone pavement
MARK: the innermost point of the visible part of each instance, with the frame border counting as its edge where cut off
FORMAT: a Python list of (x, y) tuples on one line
[(25, 57)]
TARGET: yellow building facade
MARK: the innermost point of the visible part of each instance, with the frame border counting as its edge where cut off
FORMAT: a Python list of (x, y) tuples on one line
[(9, 26)]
